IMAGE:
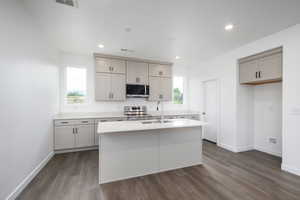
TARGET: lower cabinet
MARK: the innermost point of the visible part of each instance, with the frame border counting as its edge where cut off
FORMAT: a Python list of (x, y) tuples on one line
[(64, 137), (74, 136)]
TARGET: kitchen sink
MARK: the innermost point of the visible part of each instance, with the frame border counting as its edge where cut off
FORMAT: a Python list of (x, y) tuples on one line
[(156, 121)]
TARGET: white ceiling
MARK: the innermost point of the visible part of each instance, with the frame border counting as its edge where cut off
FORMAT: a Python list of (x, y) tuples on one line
[(162, 29)]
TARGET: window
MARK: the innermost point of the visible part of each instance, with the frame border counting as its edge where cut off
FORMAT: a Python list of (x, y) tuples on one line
[(75, 85), (178, 90)]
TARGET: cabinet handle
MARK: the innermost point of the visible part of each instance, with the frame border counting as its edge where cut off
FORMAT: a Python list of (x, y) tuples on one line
[(255, 74), (112, 95), (64, 122), (73, 131), (160, 73), (112, 68), (259, 74)]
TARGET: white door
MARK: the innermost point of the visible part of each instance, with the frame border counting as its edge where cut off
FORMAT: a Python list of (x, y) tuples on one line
[(210, 108)]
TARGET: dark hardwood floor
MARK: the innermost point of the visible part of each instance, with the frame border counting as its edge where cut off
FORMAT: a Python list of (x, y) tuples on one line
[(224, 175)]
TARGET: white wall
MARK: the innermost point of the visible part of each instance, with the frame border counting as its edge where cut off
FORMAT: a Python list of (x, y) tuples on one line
[(87, 61), (268, 117), (29, 96), (216, 69), (224, 67)]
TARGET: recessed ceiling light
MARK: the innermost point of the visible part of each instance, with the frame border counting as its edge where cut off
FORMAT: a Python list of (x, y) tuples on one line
[(177, 57), (101, 46), (128, 29), (229, 27)]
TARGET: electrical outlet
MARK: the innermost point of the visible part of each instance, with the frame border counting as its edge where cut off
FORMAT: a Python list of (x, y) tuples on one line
[(273, 140)]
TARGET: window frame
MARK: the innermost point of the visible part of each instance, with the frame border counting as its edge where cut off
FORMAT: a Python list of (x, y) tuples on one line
[(64, 87)]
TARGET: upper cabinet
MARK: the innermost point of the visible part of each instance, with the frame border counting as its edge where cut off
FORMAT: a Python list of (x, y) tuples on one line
[(137, 73), (160, 70), (110, 79), (160, 88), (112, 73), (261, 68), (104, 65)]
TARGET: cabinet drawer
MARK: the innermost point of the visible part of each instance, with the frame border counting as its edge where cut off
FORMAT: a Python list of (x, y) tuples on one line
[(85, 121), (65, 122), (73, 122), (110, 119)]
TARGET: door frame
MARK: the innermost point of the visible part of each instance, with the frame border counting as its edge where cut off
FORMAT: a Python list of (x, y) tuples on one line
[(218, 105)]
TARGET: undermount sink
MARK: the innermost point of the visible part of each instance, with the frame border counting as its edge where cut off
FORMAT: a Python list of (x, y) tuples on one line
[(156, 121)]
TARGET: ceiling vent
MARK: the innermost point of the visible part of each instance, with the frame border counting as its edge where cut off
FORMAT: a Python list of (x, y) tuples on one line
[(73, 3), (127, 50)]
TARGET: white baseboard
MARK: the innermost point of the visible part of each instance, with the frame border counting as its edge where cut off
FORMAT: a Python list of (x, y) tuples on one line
[(275, 153), (244, 148), (291, 169), (17, 191), (228, 147), (76, 150)]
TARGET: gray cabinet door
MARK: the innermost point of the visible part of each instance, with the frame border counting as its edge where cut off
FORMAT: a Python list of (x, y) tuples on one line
[(248, 71), (155, 88), (84, 136), (137, 73), (103, 87), (166, 89), (118, 87), (160, 70), (118, 66), (270, 67), (160, 89), (64, 137), (102, 65), (105, 65)]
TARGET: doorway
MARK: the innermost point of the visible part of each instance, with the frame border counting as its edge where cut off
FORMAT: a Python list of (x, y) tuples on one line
[(211, 110)]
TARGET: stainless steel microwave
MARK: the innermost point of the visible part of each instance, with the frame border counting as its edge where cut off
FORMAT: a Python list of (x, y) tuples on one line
[(137, 91)]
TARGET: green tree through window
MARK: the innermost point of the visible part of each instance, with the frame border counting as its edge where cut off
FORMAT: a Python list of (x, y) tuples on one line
[(178, 90), (76, 85)]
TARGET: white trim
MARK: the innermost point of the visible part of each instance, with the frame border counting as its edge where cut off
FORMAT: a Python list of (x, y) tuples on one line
[(291, 169), (227, 147), (17, 191), (275, 153), (244, 148)]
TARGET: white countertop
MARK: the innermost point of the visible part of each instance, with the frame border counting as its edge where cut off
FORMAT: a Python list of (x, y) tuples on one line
[(64, 116), (127, 126)]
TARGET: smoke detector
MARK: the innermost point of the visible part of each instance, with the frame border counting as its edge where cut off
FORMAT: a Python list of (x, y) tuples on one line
[(73, 3)]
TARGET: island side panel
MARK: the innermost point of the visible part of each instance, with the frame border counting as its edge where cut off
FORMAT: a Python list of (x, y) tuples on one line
[(128, 154), (180, 147)]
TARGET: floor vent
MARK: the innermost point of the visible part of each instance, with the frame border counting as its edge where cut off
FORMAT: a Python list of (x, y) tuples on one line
[(72, 3)]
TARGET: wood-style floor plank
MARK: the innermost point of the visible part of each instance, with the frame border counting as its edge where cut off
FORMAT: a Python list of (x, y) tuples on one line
[(224, 175)]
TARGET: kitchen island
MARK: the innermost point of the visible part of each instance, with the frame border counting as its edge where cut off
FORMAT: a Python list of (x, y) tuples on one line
[(130, 149)]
